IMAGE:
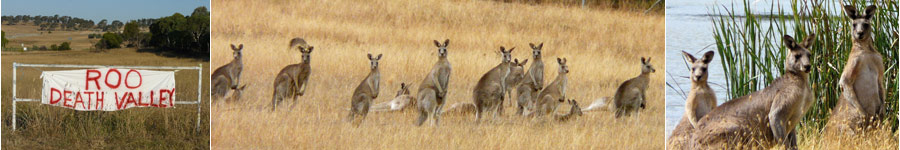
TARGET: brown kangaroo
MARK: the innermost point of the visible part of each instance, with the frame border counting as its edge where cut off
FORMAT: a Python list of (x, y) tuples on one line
[(533, 82), (229, 75), (700, 101), (767, 117), (365, 92), (291, 81), (433, 89), (861, 104), (574, 112), (551, 96), (630, 96), (400, 102), (488, 92)]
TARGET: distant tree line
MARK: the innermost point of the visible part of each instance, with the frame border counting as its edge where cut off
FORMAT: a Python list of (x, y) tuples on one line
[(68, 23), (178, 34)]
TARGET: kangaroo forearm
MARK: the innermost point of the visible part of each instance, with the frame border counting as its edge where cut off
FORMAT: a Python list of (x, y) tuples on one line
[(437, 85)]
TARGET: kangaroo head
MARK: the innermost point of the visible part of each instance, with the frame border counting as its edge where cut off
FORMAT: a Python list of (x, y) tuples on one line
[(237, 51), (563, 68), (442, 48), (517, 72), (374, 61), (798, 58), (506, 54), (646, 67), (404, 89), (305, 53), (862, 29), (699, 66), (536, 50), (575, 109)]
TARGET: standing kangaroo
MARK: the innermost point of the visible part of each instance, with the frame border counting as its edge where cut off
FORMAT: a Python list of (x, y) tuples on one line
[(433, 89), (700, 101), (399, 102), (365, 92), (516, 75), (767, 117), (861, 104), (229, 75), (533, 82), (291, 81), (488, 92), (631, 94), (550, 97)]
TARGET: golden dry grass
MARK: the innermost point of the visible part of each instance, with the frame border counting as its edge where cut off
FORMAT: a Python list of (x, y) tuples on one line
[(29, 35), (49, 127), (603, 49)]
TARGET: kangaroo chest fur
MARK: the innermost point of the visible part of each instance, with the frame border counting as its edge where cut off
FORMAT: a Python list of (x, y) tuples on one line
[(369, 85)]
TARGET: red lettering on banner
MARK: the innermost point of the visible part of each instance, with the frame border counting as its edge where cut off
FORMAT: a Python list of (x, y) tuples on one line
[(66, 99), (130, 99), (52, 100), (140, 99), (152, 104), (99, 98), (141, 81), (88, 79), (120, 102), (163, 96), (78, 99), (118, 80)]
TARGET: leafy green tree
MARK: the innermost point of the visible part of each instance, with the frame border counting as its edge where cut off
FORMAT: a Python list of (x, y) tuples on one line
[(4, 39), (64, 46), (108, 41), (132, 32)]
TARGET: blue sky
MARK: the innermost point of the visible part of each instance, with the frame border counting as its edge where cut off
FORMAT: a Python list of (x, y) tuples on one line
[(97, 10)]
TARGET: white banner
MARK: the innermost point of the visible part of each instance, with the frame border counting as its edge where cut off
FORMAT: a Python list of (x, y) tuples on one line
[(108, 89)]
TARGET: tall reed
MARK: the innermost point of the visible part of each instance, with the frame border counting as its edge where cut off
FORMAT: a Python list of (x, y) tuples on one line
[(752, 53)]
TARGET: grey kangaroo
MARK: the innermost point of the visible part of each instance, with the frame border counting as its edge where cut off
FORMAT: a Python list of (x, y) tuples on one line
[(433, 89), (229, 75)]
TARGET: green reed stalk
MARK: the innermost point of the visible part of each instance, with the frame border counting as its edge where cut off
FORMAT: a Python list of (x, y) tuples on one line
[(752, 53)]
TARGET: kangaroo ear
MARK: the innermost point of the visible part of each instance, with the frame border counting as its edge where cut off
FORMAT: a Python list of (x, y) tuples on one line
[(446, 42), (688, 57), (436, 43), (708, 57), (370, 56), (240, 47), (502, 49), (870, 11), (511, 49), (643, 60), (851, 11), (379, 57), (559, 60), (309, 50), (523, 62), (516, 61), (541, 46), (649, 58), (233, 47), (532, 46), (808, 42), (789, 42)]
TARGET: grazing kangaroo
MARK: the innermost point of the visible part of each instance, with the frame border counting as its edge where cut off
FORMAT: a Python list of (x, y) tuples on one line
[(291, 81), (861, 104), (631, 94), (767, 117), (551, 96), (399, 102), (365, 92), (516, 74), (533, 82), (575, 111), (488, 92), (700, 101), (229, 75), (433, 89)]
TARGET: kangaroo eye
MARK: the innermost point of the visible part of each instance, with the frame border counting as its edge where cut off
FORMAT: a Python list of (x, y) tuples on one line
[(797, 56), (865, 25), (703, 69)]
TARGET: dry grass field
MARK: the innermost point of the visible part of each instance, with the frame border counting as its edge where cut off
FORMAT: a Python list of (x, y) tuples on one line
[(29, 35), (603, 48), (49, 127)]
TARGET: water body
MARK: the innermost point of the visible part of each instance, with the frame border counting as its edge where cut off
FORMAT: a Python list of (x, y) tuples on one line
[(689, 28)]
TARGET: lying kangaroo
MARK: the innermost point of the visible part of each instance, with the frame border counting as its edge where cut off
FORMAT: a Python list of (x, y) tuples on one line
[(488, 92), (551, 96), (700, 101), (291, 81), (861, 104), (533, 82), (631, 94), (365, 93), (766, 117), (229, 75), (599, 104), (460, 109), (433, 89), (575, 111), (399, 102), (516, 74)]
